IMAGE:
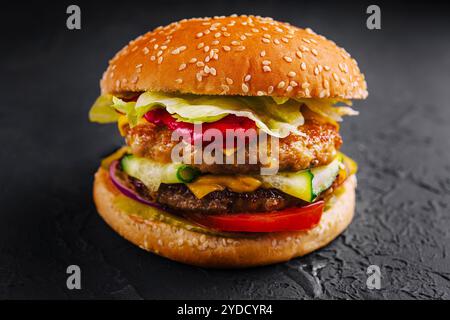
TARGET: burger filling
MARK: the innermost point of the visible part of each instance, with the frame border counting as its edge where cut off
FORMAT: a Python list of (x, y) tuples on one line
[(229, 195)]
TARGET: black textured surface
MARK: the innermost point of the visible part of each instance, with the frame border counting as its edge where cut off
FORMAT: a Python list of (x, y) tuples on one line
[(49, 78)]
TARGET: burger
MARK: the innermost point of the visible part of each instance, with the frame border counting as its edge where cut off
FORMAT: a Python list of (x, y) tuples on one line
[(190, 183)]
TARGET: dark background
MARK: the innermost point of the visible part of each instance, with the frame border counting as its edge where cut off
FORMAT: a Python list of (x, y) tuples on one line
[(49, 151)]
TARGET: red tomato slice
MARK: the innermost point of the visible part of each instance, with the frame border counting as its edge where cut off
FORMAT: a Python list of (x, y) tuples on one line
[(291, 219), (231, 122)]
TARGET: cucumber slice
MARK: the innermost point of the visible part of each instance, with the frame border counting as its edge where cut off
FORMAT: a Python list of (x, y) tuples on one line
[(305, 184), (152, 173), (325, 175), (297, 184)]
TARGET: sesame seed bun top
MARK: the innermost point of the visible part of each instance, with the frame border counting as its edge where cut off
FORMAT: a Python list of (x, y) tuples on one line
[(236, 55)]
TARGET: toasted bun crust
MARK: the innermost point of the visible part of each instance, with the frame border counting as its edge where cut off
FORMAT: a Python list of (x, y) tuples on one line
[(219, 252), (236, 55)]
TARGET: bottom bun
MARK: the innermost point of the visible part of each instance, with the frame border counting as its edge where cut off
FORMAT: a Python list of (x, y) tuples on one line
[(214, 251)]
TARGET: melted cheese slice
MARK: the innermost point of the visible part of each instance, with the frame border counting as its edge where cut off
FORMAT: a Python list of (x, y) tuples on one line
[(209, 183)]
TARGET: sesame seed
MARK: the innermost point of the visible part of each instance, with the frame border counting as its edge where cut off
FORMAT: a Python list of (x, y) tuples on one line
[(160, 52), (227, 34), (304, 49), (306, 40), (312, 40), (212, 71), (299, 54), (215, 42), (289, 88), (193, 60), (247, 78), (266, 69), (326, 84), (206, 69), (182, 48), (225, 88), (305, 85), (276, 41), (229, 81), (260, 93), (200, 64), (217, 35), (322, 94), (267, 36), (270, 89), (281, 84), (235, 43), (293, 84), (245, 88), (199, 35), (265, 40), (291, 74), (206, 48), (160, 60), (243, 37), (240, 48), (226, 48), (266, 62), (153, 58), (139, 66), (182, 66), (163, 47), (255, 30), (262, 53), (316, 71), (198, 75), (285, 40), (303, 66), (179, 81), (314, 52), (155, 46), (200, 45), (327, 68), (335, 76), (145, 50), (287, 59)]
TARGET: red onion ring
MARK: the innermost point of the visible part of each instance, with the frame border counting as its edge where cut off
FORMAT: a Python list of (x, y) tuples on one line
[(126, 190)]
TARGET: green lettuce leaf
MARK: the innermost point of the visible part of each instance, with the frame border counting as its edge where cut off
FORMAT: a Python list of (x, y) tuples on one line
[(327, 108), (275, 120), (102, 111), (277, 116)]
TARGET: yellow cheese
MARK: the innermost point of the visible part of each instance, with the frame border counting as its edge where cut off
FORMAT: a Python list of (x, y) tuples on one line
[(121, 122), (209, 183)]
